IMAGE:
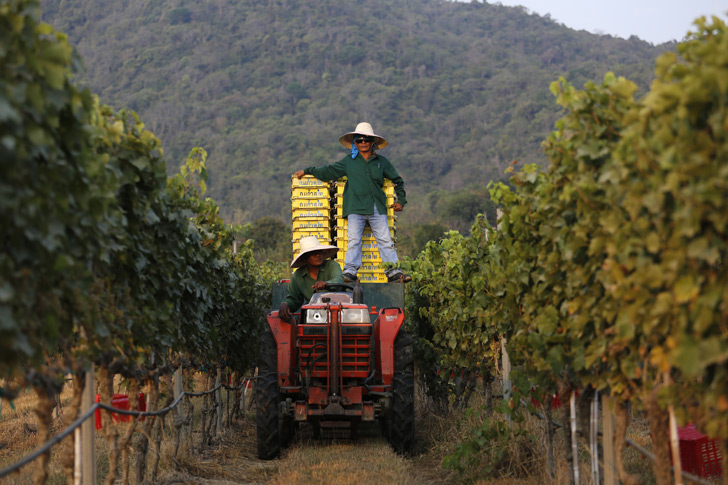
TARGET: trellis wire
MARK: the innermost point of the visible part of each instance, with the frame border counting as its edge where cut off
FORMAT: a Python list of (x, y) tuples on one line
[(79, 421)]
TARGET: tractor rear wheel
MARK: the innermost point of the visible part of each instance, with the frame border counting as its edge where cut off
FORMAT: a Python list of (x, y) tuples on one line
[(266, 395), (402, 418)]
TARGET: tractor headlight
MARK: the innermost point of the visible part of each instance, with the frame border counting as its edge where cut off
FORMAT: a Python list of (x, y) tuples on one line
[(355, 315), (317, 316)]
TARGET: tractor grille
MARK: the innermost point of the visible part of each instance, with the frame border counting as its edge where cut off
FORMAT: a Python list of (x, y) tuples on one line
[(354, 353), (312, 350)]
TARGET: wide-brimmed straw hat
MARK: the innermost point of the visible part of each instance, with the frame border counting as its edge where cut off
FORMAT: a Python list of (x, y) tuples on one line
[(310, 244), (362, 129)]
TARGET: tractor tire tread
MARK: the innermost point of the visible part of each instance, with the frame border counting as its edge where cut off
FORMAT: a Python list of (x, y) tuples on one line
[(266, 395), (402, 424)]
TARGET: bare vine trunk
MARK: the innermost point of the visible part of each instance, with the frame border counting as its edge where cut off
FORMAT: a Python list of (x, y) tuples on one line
[(106, 389), (178, 420), (565, 390), (158, 430), (622, 414), (205, 412), (44, 411), (660, 429), (143, 442), (188, 420), (488, 385), (125, 443), (549, 437)]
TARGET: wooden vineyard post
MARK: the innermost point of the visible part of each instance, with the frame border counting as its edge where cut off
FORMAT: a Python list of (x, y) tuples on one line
[(77, 451), (610, 457), (675, 447), (88, 446), (593, 438), (574, 446)]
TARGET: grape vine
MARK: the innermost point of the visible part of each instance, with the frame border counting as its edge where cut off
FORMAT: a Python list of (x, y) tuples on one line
[(608, 268)]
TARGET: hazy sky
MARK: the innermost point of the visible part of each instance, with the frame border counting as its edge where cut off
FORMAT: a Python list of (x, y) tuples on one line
[(655, 21)]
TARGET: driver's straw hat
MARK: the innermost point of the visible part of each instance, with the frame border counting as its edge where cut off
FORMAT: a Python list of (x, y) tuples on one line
[(310, 244)]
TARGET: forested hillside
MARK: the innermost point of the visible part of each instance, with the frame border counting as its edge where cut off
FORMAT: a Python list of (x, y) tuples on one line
[(267, 87)]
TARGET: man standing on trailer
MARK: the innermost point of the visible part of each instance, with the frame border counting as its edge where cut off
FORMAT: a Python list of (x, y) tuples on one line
[(364, 200)]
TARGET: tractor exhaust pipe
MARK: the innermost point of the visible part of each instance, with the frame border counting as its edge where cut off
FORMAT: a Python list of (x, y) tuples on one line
[(334, 350)]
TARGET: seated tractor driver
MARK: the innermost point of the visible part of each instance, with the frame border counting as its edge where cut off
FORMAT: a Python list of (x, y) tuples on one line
[(315, 269)]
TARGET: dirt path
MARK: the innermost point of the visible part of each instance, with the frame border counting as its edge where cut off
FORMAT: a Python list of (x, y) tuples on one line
[(335, 458)]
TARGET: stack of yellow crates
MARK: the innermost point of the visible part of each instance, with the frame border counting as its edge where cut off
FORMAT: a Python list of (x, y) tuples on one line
[(370, 270), (311, 207)]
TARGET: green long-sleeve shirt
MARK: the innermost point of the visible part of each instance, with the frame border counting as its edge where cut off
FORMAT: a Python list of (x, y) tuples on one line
[(365, 179), (300, 289)]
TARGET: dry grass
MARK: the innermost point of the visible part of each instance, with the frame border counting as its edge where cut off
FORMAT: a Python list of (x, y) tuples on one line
[(440, 435), (344, 463), (18, 438), (231, 459)]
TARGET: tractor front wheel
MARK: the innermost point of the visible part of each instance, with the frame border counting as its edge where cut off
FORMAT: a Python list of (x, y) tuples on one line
[(266, 395), (402, 419)]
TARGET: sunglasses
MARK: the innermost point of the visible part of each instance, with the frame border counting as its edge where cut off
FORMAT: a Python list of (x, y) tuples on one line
[(364, 140)]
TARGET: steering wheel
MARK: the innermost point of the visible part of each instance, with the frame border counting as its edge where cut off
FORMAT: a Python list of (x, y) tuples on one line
[(331, 286)]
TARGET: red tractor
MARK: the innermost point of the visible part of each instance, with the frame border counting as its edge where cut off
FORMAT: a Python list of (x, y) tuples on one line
[(340, 363)]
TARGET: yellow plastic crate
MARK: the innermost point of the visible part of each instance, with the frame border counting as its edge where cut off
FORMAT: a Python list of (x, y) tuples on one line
[(308, 181), (370, 268), (324, 213), (343, 243), (343, 233), (340, 183), (366, 244), (340, 210), (310, 224), (310, 193), (321, 234), (367, 265), (391, 199), (345, 238), (310, 204), (296, 243), (372, 278), (344, 222), (388, 189), (371, 257)]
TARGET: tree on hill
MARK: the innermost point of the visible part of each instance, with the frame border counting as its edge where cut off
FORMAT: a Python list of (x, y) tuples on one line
[(459, 89)]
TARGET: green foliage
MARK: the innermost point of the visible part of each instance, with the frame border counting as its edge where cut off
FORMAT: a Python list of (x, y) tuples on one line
[(494, 449), (271, 239), (667, 269), (180, 15), (607, 268), (460, 89), (105, 259), (450, 309), (54, 225)]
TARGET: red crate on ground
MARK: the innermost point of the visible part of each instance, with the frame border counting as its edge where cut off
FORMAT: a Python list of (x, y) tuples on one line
[(699, 454), (121, 401)]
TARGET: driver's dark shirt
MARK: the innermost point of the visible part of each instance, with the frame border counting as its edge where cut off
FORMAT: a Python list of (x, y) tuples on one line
[(300, 289)]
